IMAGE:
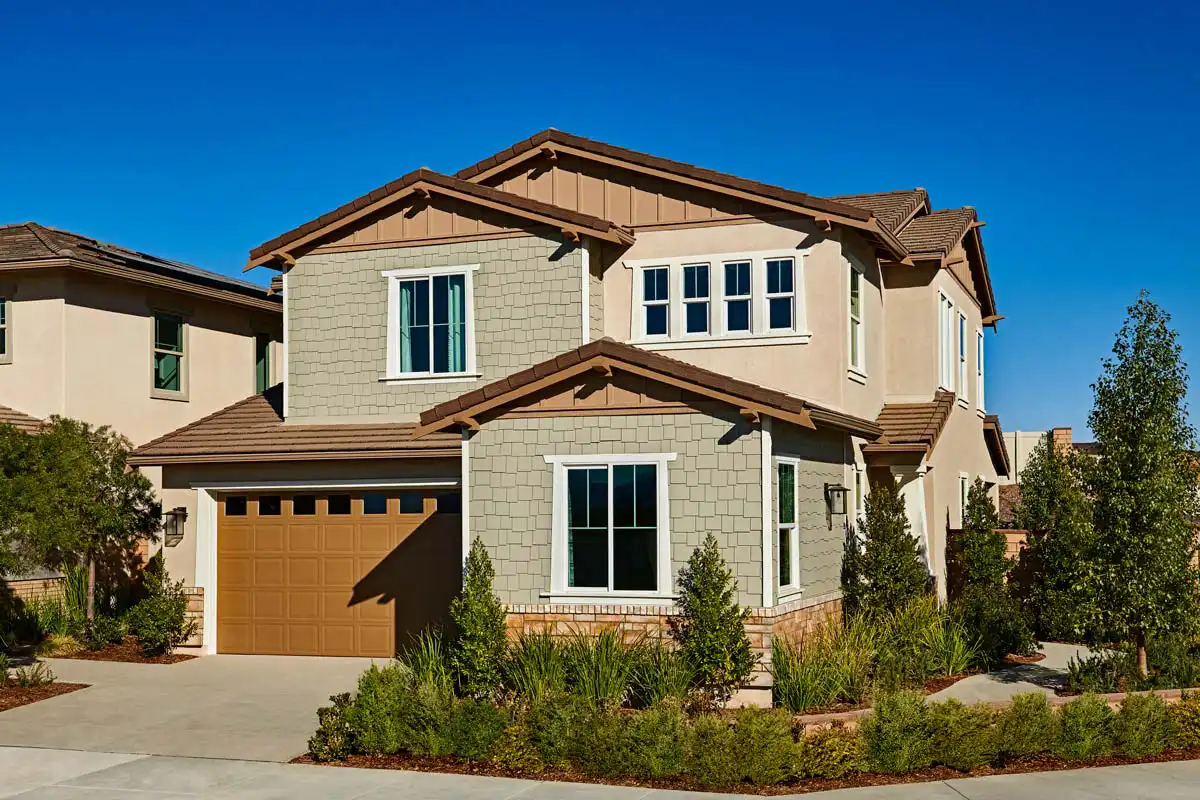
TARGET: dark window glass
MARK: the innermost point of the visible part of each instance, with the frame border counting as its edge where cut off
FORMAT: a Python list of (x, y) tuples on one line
[(695, 281), (697, 317), (235, 506), (588, 567), (779, 276), (587, 531), (450, 503), (338, 504), (737, 278), (375, 503), (412, 503), (270, 505), (304, 505), (655, 284), (780, 312), (635, 520), (737, 315), (414, 325), (785, 556), (634, 559), (262, 362), (449, 324), (656, 320)]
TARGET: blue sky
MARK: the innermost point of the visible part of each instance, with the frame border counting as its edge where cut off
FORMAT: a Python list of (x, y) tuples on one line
[(198, 130)]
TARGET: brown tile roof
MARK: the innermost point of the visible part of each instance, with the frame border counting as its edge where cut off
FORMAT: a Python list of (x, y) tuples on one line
[(1010, 498), (997, 449), (429, 177), (254, 430), (937, 233), (892, 209), (618, 353), (19, 420), (30, 241), (552, 136), (907, 425)]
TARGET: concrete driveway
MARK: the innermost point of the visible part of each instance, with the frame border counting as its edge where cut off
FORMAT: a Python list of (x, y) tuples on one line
[(256, 708)]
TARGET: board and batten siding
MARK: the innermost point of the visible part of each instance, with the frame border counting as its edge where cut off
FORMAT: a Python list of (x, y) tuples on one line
[(714, 485), (528, 296)]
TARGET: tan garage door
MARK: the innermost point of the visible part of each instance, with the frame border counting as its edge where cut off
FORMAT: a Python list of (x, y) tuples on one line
[(334, 574)]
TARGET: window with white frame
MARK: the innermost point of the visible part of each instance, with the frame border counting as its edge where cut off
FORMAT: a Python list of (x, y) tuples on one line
[(945, 342), (695, 299), (738, 312), (430, 326), (781, 294), (5, 346), (656, 301), (860, 494), (964, 487), (962, 358), (787, 530), (611, 525), (979, 369), (858, 360)]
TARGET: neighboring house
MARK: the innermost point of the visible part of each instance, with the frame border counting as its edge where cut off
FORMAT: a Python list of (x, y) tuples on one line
[(590, 358), (116, 337)]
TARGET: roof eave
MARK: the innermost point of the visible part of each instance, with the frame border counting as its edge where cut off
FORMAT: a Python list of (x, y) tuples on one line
[(150, 460)]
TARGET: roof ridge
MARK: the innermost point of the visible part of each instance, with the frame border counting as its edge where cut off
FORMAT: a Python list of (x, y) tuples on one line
[(40, 231)]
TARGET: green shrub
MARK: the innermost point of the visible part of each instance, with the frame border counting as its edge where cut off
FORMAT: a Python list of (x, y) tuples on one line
[(536, 667), (1085, 729), (596, 746), (5, 665), (882, 566), (551, 724), (160, 620), (425, 717), (992, 617), (655, 742), (1028, 726), (373, 716), (334, 739), (1185, 720), (478, 654), (711, 627), (950, 647), (829, 665), (426, 658), (763, 745), (514, 751), (660, 673), (896, 736), (979, 548), (101, 631), (1174, 663), (711, 760), (830, 753), (599, 667), (33, 676), (1101, 673), (963, 737), (1142, 726), (474, 728), (903, 658)]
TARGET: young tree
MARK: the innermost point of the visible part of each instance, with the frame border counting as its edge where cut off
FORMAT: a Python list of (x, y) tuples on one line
[(711, 626), (1144, 484), (981, 548), (886, 569), (1057, 569), (477, 655)]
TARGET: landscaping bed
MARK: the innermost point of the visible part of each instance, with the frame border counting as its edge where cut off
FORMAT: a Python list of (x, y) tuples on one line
[(14, 696), (128, 651)]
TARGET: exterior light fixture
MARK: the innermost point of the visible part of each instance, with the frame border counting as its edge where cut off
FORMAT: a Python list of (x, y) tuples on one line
[(835, 498), (174, 524)]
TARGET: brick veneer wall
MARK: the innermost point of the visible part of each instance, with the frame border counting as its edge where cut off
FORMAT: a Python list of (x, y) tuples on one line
[(528, 308), (195, 611), (34, 588)]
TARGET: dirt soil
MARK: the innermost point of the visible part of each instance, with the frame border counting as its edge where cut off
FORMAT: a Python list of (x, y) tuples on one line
[(1046, 763), (129, 652), (12, 696)]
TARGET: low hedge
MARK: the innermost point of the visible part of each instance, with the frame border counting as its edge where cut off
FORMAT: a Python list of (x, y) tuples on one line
[(394, 711)]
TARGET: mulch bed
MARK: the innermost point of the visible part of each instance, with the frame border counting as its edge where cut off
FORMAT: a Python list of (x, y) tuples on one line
[(129, 652), (1046, 763), (12, 696), (1016, 661)]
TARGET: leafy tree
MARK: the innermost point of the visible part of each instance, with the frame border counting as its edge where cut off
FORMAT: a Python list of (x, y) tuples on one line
[(1056, 510), (1144, 484), (981, 548), (711, 627), (885, 570), (477, 656)]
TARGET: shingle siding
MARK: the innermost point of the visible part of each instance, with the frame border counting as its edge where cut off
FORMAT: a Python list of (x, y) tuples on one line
[(528, 308), (714, 485)]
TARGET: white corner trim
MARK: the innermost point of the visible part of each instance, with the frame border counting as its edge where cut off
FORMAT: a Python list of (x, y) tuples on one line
[(611, 458), (465, 490), (768, 572), (285, 345), (585, 289), (206, 564)]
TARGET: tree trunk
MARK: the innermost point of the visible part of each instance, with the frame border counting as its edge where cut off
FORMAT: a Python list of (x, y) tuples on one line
[(91, 594), (1142, 666)]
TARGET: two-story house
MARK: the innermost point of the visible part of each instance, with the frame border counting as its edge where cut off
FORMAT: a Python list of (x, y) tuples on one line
[(590, 358), (116, 337)]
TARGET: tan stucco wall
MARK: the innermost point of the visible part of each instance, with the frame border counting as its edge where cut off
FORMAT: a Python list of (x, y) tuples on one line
[(816, 370), (33, 380)]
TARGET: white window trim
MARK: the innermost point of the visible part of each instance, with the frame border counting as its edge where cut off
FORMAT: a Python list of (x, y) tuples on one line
[(394, 277), (726, 299), (964, 488), (641, 302), (182, 394), (685, 301), (979, 370), (945, 318), (858, 480), (856, 372), (719, 335), (6, 306), (963, 355), (768, 296), (559, 591), (786, 589)]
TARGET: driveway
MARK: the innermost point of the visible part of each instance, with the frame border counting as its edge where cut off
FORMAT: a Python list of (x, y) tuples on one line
[(257, 708)]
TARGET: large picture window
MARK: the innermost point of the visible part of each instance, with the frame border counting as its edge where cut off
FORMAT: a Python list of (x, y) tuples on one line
[(430, 327)]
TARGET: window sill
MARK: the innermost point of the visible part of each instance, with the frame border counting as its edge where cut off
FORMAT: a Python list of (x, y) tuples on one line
[(449, 377), (609, 599), (787, 594), (5, 359), (858, 376), (709, 342), (163, 394)]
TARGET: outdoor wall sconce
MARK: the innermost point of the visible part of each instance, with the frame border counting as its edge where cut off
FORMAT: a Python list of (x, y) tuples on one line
[(835, 501), (174, 523)]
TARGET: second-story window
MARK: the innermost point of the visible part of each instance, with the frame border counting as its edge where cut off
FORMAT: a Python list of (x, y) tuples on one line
[(169, 356), (857, 358), (5, 347), (656, 298), (430, 327), (695, 298), (945, 342), (737, 297), (979, 369), (781, 293), (262, 362), (962, 357)]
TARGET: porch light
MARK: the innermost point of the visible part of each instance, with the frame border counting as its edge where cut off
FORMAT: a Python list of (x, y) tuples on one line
[(835, 498), (174, 522)]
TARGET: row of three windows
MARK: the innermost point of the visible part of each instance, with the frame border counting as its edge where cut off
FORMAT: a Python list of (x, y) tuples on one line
[(954, 347), (752, 295)]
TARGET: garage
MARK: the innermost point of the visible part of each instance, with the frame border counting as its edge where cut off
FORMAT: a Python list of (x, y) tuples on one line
[(334, 573)]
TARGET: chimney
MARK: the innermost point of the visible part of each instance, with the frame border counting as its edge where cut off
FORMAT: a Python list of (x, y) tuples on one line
[(1061, 437)]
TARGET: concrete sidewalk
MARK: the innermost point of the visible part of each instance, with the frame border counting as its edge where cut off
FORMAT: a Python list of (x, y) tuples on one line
[(36, 774), (1043, 676)]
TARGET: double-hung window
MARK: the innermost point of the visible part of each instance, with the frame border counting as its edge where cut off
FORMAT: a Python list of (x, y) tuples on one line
[(962, 358), (979, 370), (695, 299), (860, 494), (656, 301), (946, 342), (738, 317), (430, 330), (787, 530), (168, 364), (5, 338), (858, 360), (262, 362), (781, 294)]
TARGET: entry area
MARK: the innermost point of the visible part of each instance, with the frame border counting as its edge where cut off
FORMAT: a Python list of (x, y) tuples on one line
[(345, 573)]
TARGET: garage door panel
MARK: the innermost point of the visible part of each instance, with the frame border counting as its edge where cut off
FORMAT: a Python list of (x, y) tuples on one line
[(237, 538), (375, 539), (235, 637), (339, 640), (268, 638), (373, 610), (268, 538), (304, 538), (304, 605), (235, 571), (269, 605), (337, 538), (339, 571), (234, 604), (335, 606), (302, 572), (268, 572), (375, 640), (304, 640)]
